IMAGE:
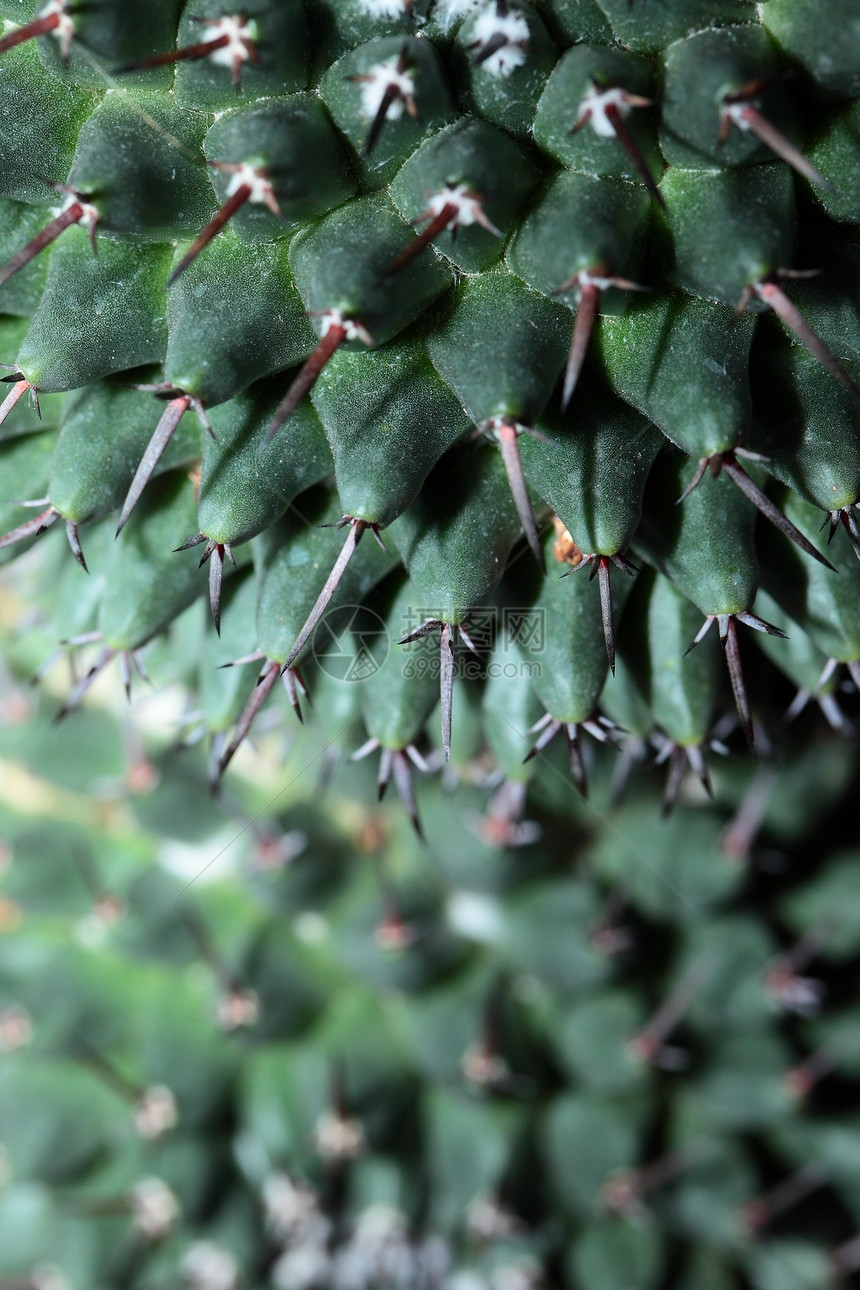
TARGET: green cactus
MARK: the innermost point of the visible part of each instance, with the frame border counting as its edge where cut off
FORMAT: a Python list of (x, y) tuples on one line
[(314, 1050), (525, 288)]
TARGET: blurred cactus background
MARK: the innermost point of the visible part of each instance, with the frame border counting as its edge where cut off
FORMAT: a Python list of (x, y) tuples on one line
[(273, 1039)]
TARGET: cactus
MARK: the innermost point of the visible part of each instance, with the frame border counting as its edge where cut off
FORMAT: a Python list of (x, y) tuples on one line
[(282, 1041), (408, 225), (480, 370)]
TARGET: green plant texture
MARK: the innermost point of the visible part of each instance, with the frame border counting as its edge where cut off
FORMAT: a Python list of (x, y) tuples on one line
[(430, 464)]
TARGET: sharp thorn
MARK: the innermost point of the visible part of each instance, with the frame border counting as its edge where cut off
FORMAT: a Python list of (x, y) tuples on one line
[(201, 50), (549, 729), (743, 304), (207, 552), (696, 758), (125, 674), (419, 762), (446, 685), (773, 295), (137, 659), (630, 146), (81, 686), (226, 213), (406, 789), (71, 215), (606, 609), (507, 437), (759, 625), (82, 638), (850, 526), (258, 697), (626, 566), (292, 679), (347, 551), (748, 455), (437, 225), (369, 746), (386, 760), (577, 760), (485, 222), (762, 503), (31, 528), (827, 672), (75, 544), (192, 542), (216, 573), (170, 419), (255, 657), (303, 382), (29, 31), (17, 391), (424, 630), (430, 625), (696, 480), (467, 640), (736, 676), (784, 148), (391, 93), (674, 779), (486, 50), (700, 634), (589, 302), (374, 528)]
